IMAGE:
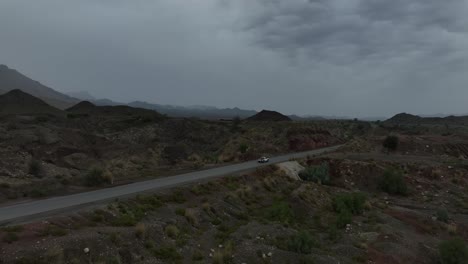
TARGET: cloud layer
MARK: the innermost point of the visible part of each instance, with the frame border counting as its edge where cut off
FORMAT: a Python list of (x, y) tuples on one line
[(334, 57)]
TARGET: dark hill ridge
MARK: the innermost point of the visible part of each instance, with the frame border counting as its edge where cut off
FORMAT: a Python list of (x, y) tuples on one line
[(408, 119), (89, 108), (84, 106), (17, 102), (11, 79), (266, 115)]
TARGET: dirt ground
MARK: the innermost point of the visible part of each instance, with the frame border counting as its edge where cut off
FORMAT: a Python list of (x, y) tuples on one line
[(373, 206)]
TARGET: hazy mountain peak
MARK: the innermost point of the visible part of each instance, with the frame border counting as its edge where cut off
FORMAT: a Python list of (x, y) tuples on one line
[(11, 79)]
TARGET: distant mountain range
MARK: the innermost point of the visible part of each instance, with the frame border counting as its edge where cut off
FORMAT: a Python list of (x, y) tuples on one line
[(11, 79)]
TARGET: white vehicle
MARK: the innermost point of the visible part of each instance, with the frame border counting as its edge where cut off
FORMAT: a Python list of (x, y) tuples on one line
[(263, 160)]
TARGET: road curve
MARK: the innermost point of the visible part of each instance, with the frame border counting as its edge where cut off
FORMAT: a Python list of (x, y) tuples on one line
[(29, 211)]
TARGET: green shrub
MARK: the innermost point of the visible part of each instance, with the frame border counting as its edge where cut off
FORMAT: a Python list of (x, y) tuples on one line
[(302, 242), (167, 253), (243, 148), (115, 238), (13, 229), (125, 219), (95, 177), (393, 182), (347, 205), (442, 215), (140, 230), (172, 231), (343, 218), (453, 251), (280, 211), (391, 143), (35, 168), (53, 230), (10, 237), (349, 202), (319, 174), (197, 255)]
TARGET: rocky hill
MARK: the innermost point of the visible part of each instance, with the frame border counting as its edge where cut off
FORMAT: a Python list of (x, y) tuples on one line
[(408, 119), (11, 79), (266, 115), (17, 102)]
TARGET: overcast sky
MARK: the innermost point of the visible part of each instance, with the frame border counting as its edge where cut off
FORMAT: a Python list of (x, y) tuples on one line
[(329, 57)]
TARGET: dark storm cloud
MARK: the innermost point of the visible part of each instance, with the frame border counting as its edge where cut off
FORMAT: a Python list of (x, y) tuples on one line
[(356, 30), (335, 57)]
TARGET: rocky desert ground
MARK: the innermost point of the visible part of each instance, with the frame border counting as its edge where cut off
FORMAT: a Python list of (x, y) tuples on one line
[(396, 192)]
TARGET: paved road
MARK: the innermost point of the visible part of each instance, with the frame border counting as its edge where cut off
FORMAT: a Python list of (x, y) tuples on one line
[(37, 209)]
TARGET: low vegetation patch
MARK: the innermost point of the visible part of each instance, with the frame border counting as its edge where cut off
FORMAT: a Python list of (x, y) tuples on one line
[(346, 205), (393, 182), (35, 168), (279, 211), (97, 177), (302, 242), (391, 143), (319, 174), (168, 253), (453, 251), (442, 215)]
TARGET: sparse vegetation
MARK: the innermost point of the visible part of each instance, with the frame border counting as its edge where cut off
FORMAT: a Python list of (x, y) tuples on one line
[(346, 205), (97, 176), (393, 182), (391, 143), (140, 230), (453, 251), (35, 168), (302, 242), (10, 237), (319, 174), (168, 253), (172, 231), (279, 211), (53, 230), (442, 215)]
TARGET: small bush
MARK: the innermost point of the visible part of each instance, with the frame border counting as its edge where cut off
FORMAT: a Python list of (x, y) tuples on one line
[(280, 211), (223, 255), (453, 251), (197, 255), (442, 215), (140, 230), (347, 205), (115, 238), (391, 143), (343, 218), (35, 168), (319, 174), (5, 185), (393, 182), (191, 217), (13, 229), (96, 177), (302, 242), (180, 211), (167, 253), (351, 202), (38, 192), (243, 148), (53, 230), (125, 219), (172, 231), (10, 237)]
